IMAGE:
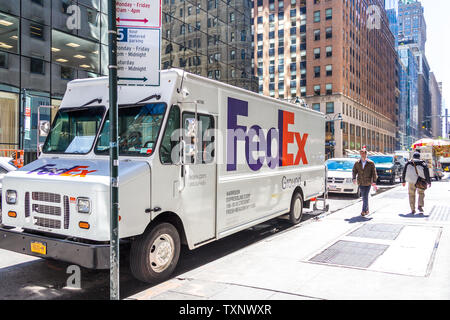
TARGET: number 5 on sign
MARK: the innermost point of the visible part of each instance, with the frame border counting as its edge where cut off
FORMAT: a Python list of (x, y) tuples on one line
[(122, 34)]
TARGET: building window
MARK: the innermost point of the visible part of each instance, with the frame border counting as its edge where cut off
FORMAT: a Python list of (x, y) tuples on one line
[(330, 107), (328, 14), (37, 66), (3, 60), (317, 35), (329, 70), (316, 16), (328, 33), (316, 106), (317, 53), (317, 90), (37, 31), (67, 73), (329, 51), (317, 72), (329, 88)]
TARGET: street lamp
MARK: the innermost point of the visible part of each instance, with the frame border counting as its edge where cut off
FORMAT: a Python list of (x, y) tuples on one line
[(296, 100)]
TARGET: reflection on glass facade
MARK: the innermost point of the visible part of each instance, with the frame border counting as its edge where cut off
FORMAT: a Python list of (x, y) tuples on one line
[(211, 38)]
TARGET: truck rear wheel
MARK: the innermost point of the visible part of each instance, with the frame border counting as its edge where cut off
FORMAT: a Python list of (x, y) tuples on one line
[(296, 213), (154, 255)]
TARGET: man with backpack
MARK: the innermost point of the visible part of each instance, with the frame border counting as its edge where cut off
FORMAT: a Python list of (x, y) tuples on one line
[(417, 175)]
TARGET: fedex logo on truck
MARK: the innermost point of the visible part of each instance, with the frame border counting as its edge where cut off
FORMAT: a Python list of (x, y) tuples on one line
[(263, 143)]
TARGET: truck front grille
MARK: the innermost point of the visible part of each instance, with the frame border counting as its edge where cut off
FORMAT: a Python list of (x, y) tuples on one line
[(66, 212), (46, 197), (47, 223), (43, 209), (48, 204)]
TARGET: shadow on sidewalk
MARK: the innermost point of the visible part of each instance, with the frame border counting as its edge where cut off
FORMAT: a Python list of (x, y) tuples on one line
[(358, 219), (417, 215)]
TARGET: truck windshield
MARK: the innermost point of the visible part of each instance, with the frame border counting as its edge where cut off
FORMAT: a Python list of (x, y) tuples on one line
[(74, 130), (139, 126)]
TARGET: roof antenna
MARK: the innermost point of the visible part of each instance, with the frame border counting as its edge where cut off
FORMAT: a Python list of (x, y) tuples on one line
[(181, 85)]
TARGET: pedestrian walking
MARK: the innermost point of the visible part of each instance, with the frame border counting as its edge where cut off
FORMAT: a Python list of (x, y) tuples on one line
[(417, 175), (365, 175)]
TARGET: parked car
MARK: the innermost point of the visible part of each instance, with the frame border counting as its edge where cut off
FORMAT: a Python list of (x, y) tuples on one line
[(340, 178), (6, 165), (389, 168)]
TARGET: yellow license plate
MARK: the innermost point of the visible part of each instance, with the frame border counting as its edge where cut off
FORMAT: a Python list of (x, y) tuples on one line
[(39, 247)]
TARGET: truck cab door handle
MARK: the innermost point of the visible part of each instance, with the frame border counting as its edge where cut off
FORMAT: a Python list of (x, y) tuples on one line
[(156, 209)]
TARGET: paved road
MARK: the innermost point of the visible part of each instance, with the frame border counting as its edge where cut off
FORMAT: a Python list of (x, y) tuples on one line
[(24, 277)]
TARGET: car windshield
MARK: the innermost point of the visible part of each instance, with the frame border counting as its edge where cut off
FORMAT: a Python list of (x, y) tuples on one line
[(382, 159), (340, 165), (139, 126), (74, 130)]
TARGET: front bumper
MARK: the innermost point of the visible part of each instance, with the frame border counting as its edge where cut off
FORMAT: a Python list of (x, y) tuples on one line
[(342, 188), (385, 176), (85, 255)]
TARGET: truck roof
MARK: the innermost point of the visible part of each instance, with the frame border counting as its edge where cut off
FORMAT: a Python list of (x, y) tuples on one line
[(94, 91)]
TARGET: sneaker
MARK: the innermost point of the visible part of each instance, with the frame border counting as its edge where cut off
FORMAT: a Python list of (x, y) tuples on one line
[(413, 212), (420, 209)]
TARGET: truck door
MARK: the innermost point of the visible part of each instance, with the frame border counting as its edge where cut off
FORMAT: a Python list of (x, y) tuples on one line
[(198, 196)]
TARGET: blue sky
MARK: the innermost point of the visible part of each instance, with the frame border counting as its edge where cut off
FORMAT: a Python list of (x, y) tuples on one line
[(438, 41)]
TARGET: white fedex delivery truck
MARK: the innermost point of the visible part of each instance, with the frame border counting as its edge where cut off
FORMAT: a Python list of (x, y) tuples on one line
[(199, 160)]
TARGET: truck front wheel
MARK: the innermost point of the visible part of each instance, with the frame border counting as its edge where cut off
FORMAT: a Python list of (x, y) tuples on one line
[(154, 255), (296, 213)]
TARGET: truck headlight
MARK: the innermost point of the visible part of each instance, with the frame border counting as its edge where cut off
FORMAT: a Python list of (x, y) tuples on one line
[(83, 205), (11, 196), (349, 180), (388, 171)]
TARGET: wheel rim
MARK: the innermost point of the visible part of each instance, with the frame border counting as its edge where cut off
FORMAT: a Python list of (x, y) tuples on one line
[(161, 253), (297, 209)]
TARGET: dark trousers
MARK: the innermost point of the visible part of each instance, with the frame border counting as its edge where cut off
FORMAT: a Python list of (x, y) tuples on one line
[(365, 197)]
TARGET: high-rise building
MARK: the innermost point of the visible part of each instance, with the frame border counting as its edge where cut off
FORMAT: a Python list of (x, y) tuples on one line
[(351, 63), (411, 21), (211, 38), (280, 47), (408, 102), (436, 106), (337, 59)]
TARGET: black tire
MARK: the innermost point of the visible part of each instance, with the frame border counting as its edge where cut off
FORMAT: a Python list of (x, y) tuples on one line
[(144, 267), (296, 212)]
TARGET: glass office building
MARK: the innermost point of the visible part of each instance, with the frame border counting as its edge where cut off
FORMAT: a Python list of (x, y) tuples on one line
[(46, 43), (212, 38)]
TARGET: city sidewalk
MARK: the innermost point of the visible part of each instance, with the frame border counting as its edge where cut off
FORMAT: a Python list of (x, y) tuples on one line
[(390, 254)]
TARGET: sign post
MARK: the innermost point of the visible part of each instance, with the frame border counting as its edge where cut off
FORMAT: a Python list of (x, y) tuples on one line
[(134, 36), (113, 153)]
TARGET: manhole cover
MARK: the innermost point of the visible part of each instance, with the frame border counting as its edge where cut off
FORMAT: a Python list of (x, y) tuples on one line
[(351, 254), (378, 231), (439, 213)]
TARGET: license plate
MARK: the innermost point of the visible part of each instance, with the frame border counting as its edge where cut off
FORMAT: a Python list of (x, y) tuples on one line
[(39, 247), (332, 187)]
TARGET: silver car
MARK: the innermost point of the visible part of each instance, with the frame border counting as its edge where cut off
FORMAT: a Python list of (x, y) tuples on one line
[(340, 179)]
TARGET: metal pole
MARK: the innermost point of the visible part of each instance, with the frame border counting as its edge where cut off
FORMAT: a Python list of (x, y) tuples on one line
[(22, 120), (113, 153)]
